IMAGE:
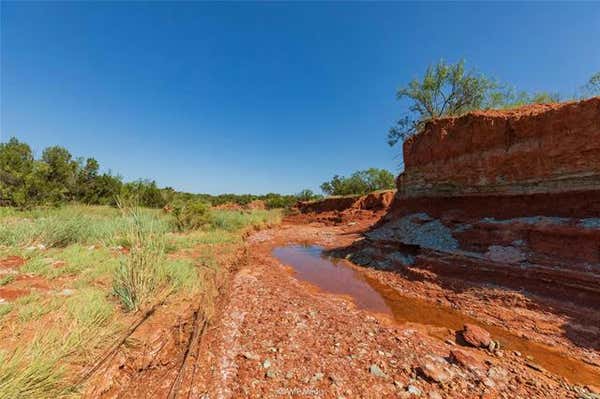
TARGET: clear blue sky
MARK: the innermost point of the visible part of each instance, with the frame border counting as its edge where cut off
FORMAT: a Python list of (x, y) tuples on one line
[(259, 97)]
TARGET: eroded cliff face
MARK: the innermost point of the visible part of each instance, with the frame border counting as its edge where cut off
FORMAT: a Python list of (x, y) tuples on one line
[(504, 197), (535, 149), (376, 201)]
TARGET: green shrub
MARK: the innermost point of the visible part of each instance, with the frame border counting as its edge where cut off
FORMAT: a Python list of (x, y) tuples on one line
[(192, 215)]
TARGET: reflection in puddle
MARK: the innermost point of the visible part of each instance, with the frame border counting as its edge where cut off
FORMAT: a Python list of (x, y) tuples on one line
[(338, 277), (332, 275)]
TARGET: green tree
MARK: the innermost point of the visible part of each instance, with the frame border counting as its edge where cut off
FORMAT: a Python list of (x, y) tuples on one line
[(60, 174), (87, 177), (444, 90), (16, 166), (360, 182), (451, 90), (307, 195), (592, 87), (145, 193)]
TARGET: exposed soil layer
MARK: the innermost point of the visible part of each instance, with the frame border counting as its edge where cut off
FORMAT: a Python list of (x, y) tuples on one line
[(534, 149), (376, 201)]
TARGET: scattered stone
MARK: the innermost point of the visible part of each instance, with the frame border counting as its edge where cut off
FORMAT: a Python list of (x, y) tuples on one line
[(498, 375), (476, 336), (593, 389), (465, 360), (317, 377), (489, 383), (250, 356), (271, 373), (509, 254), (399, 385), (435, 371), (434, 395), (535, 366), (413, 390), (376, 371), (266, 364)]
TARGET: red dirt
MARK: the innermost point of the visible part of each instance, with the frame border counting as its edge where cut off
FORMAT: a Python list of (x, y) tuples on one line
[(257, 204), (10, 294), (11, 262), (322, 343)]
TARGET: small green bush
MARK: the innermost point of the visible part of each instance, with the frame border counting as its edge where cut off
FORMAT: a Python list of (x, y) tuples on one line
[(192, 215)]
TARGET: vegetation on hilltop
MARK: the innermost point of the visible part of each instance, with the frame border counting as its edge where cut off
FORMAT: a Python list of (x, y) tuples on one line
[(451, 89)]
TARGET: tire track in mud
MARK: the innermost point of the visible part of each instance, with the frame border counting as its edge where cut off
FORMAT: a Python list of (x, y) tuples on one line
[(197, 332), (162, 365), (113, 350)]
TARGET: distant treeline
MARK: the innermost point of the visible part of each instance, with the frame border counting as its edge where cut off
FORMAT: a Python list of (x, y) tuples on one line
[(360, 182), (57, 178)]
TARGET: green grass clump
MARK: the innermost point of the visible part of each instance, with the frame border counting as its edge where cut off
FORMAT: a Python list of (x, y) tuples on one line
[(75, 260), (34, 306), (33, 372), (238, 220), (37, 369), (7, 279), (145, 272), (192, 215), (5, 309)]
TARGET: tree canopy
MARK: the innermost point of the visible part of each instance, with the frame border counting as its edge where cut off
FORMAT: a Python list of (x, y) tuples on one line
[(57, 177), (592, 87), (450, 90), (360, 182)]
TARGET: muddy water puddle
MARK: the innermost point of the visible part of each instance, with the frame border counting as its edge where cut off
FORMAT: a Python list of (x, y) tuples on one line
[(339, 277)]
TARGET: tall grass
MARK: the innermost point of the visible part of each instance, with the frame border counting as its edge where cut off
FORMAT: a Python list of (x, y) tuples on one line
[(238, 220), (137, 276), (60, 227), (146, 273), (40, 368)]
